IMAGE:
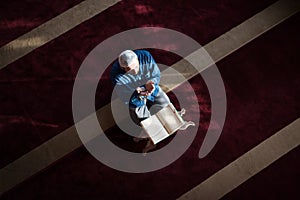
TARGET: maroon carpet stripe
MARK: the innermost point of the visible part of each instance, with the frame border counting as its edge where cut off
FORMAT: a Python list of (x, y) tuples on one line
[(278, 181), (36, 90), (262, 89), (19, 17)]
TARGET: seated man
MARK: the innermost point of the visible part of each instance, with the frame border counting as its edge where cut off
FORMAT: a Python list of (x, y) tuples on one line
[(136, 77)]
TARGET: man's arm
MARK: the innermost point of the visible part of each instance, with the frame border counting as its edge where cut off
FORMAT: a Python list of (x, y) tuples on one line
[(154, 72), (152, 75), (126, 91)]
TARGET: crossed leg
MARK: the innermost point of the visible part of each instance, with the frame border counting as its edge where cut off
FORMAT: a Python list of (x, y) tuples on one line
[(143, 112)]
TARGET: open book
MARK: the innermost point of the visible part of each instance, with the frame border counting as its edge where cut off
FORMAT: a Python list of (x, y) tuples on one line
[(163, 123)]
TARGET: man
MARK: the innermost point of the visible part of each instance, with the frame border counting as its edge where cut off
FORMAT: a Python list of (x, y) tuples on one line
[(136, 76)]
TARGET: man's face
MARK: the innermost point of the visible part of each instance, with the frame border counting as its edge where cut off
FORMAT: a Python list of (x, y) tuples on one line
[(133, 68)]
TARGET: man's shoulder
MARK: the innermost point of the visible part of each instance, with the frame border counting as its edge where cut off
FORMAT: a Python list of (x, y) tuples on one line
[(115, 71), (143, 55), (115, 64), (142, 52)]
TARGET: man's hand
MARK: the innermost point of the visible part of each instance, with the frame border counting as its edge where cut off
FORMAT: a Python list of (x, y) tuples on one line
[(150, 86), (142, 91), (146, 91)]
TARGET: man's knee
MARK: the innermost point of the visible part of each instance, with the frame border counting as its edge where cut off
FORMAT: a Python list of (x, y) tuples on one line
[(139, 114)]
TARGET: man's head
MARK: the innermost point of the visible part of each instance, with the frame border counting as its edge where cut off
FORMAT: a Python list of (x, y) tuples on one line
[(129, 62)]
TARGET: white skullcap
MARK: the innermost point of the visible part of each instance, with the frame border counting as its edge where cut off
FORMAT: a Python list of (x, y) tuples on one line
[(126, 58)]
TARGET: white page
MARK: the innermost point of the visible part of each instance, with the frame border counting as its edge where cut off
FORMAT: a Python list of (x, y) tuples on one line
[(170, 119), (154, 129)]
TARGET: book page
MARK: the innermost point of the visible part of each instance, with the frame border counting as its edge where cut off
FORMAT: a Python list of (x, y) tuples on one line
[(170, 119), (154, 129)]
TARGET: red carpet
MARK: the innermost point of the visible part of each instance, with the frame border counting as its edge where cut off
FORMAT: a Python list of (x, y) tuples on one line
[(262, 88), (19, 17), (278, 181), (30, 83)]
